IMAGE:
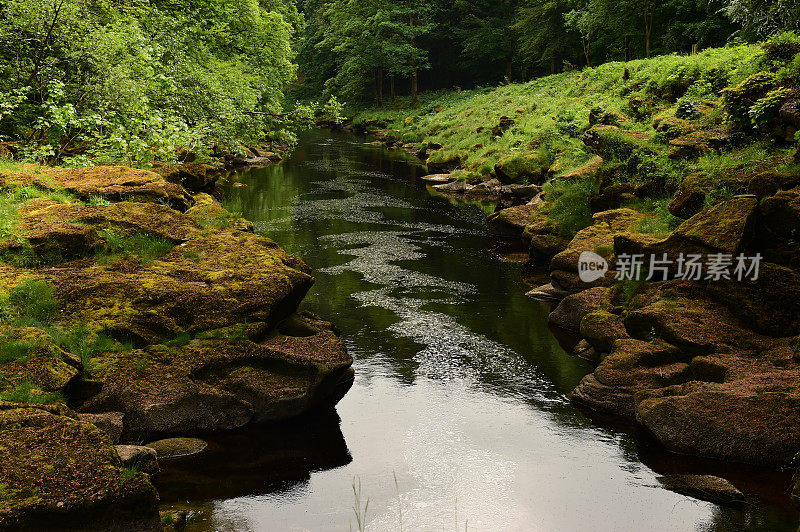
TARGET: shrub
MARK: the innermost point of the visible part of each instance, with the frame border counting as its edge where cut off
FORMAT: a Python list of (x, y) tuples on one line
[(767, 107), (782, 47), (740, 99)]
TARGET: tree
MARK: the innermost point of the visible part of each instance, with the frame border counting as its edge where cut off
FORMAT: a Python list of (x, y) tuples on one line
[(763, 18), (543, 36)]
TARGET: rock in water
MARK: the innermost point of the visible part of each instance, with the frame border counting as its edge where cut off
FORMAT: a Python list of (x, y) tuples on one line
[(175, 447), (704, 487)]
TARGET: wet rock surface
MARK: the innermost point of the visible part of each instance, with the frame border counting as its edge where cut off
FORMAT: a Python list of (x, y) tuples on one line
[(704, 487)]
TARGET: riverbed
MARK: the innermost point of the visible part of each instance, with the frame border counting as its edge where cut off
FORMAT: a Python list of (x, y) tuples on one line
[(457, 419)]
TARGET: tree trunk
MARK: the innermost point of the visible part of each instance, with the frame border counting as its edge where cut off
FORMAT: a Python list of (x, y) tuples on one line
[(391, 87), (627, 48), (380, 86), (415, 74), (377, 93), (649, 8), (552, 65), (586, 43)]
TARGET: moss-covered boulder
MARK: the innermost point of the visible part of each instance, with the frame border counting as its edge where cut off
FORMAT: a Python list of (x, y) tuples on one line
[(691, 196), (31, 359), (194, 177), (728, 227), (597, 238), (55, 469), (221, 381), (704, 487), (769, 304), (602, 329), (117, 183), (177, 447), (753, 421), (544, 238), (209, 282), (71, 230), (572, 309), (779, 226), (511, 221), (632, 366), (698, 142), (531, 167)]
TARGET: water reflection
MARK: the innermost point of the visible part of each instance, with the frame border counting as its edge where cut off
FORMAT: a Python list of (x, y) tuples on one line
[(457, 418), (271, 459)]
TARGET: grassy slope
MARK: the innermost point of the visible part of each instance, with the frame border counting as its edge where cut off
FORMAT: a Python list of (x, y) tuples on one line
[(551, 113)]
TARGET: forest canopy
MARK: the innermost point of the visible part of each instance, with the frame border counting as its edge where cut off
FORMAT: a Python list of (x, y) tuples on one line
[(138, 77), (135, 80), (371, 49)]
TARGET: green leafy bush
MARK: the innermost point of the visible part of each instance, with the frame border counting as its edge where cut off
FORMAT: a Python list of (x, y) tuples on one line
[(740, 99), (767, 107)]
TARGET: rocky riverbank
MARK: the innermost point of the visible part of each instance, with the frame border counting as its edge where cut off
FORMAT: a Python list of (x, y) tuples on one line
[(136, 308), (706, 360)]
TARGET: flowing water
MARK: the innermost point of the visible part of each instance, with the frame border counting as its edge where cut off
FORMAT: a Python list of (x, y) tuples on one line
[(458, 418)]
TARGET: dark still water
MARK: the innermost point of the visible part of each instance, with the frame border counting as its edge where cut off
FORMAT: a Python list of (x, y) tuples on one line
[(457, 419)]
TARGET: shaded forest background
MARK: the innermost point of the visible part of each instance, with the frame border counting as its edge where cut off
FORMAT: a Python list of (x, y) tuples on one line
[(374, 49)]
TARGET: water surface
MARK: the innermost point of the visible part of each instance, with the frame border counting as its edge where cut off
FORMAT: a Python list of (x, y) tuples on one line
[(457, 419)]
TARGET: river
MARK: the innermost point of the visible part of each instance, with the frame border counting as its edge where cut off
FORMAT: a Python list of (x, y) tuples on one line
[(458, 418)]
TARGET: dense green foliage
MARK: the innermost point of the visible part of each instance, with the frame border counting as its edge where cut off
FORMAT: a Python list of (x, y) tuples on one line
[(139, 79), (735, 92), (360, 49)]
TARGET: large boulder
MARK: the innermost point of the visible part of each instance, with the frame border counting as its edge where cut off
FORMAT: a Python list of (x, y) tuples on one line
[(117, 183), (511, 221), (194, 177), (176, 447), (58, 470), (531, 167), (778, 227), (698, 142), (597, 238), (748, 422), (138, 457), (32, 358), (769, 304), (72, 230), (728, 227), (632, 366), (224, 379), (108, 422), (572, 309), (602, 329), (207, 283)]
